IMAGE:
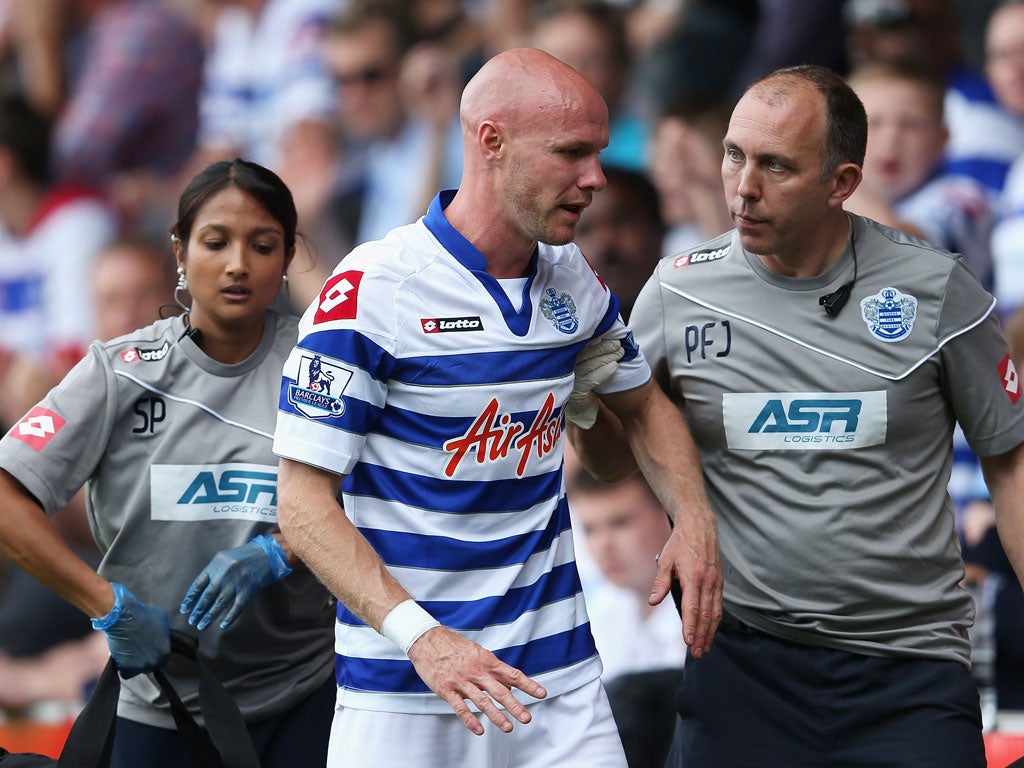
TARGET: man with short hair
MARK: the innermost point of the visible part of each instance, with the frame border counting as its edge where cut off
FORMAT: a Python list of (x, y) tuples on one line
[(821, 360)]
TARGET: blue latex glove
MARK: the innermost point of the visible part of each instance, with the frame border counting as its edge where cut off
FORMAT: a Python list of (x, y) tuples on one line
[(139, 635), (231, 578)]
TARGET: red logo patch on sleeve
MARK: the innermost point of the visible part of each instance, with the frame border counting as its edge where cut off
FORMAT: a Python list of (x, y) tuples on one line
[(38, 427), (1011, 382), (339, 299)]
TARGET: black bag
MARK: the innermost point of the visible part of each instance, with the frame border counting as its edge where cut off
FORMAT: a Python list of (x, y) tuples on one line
[(223, 743)]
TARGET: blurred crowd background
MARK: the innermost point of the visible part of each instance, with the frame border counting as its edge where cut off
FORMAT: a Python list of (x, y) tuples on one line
[(108, 107)]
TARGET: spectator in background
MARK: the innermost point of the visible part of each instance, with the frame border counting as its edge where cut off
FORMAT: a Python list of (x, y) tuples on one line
[(590, 36), (46, 311), (131, 280), (903, 185), (33, 37), (982, 137), (264, 77), (686, 168), (1004, 64), (620, 233), (790, 32), (129, 122), (996, 138), (624, 528), (697, 58), (398, 120)]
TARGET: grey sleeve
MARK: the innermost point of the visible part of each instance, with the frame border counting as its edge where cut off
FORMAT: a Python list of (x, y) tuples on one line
[(56, 447), (647, 322), (978, 377)]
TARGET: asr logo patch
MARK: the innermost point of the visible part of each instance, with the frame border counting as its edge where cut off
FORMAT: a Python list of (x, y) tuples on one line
[(197, 492), (804, 421)]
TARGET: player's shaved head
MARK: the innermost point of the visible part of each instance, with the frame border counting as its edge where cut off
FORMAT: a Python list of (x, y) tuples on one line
[(532, 128), (522, 84)]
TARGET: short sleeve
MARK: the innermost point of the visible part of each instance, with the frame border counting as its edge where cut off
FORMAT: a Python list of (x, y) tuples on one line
[(58, 444)]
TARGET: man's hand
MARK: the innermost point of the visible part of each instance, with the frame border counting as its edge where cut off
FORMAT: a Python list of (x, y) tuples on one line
[(691, 556), (459, 670), (231, 578), (596, 362), (139, 635)]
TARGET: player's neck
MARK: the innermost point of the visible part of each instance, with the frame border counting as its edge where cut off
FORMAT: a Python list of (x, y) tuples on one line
[(816, 258)]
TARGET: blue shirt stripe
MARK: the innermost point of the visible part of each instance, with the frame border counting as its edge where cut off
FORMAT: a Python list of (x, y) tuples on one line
[(453, 496)]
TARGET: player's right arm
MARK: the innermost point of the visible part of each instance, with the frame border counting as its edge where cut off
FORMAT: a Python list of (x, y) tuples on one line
[(454, 667)]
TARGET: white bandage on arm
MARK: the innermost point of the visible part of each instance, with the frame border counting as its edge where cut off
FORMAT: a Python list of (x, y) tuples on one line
[(405, 623)]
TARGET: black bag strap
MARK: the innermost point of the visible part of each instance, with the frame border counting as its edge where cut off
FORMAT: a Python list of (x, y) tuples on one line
[(91, 738), (224, 743)]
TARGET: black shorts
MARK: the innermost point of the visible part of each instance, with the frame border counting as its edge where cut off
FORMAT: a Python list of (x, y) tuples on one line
[(757, 700)]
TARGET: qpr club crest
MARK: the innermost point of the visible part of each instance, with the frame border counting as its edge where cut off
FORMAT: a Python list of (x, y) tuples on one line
[(889, 314), (319, 383), (560, 309)]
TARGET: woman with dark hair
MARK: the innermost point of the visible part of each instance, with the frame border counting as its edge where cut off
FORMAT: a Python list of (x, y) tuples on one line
[(170, 429)]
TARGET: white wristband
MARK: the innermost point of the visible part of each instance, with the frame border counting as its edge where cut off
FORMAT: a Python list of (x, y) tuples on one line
[(405, 623)]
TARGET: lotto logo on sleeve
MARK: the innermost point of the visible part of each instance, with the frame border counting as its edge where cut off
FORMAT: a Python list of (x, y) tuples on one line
[(339, 299), (38, 427), (1011, 382)]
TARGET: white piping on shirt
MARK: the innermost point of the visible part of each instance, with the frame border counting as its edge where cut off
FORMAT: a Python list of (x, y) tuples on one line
[(197, 404), (825, 352)]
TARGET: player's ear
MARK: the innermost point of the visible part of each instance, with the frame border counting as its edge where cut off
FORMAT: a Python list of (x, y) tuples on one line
[(845, 180), (490, 140)]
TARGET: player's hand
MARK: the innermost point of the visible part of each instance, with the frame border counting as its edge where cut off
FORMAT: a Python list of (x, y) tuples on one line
[(231, 578), (595, 363), (139, 635), (691, 556), (459, 670)]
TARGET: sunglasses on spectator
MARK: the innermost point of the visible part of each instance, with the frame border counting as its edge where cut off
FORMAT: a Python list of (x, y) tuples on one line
[(367, 76)]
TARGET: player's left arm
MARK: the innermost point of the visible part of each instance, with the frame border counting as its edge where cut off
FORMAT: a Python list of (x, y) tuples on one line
[(1004, 475)]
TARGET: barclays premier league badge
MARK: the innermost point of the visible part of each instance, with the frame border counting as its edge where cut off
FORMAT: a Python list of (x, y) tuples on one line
[(889, 314), (318, 386), (560, 309)]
